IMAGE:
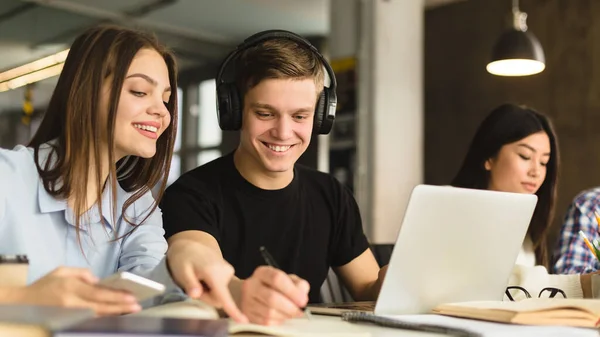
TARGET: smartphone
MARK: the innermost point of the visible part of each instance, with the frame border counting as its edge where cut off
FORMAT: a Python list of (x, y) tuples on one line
[(140, 287)]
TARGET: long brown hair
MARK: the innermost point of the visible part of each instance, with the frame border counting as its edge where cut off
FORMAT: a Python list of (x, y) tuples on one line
[(507, 124), (73, 122)]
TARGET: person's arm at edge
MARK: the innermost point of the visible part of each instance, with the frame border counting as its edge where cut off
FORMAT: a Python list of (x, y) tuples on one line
[(352, 259), (144, 253), (235, 286), (572, 255), (6, 170), (362, 276), (8, 295)]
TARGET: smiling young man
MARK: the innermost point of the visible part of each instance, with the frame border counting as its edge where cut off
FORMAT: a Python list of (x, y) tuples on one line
[(258, 196)]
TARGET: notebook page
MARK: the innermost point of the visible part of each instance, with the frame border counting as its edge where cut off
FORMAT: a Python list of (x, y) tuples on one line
[(491, 329), (190, 308), (302, 327)]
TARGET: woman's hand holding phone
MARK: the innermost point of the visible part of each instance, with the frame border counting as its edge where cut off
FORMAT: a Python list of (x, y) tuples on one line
[(76, 288)]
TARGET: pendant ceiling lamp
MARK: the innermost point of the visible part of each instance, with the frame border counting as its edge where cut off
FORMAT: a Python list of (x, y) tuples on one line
[(517, 52)]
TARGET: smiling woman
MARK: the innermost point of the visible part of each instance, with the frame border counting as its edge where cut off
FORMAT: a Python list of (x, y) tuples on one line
[(143, 106), (124, 80), (80, 192)]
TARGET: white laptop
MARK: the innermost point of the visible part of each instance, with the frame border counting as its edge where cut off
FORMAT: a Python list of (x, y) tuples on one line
[(454, 245)]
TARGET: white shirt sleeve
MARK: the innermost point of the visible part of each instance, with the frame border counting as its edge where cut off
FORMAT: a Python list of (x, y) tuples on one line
[(536, 278), (143, 251), (6, 179)]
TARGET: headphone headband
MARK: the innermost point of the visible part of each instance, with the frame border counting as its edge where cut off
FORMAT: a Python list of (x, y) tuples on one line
[(229, 102)]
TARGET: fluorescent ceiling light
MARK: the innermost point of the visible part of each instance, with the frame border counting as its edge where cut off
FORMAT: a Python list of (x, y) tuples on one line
[(31, 77), (33, 72), (42, 63)]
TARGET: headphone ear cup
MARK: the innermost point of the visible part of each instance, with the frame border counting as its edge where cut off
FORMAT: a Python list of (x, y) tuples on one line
[(224, 106), (228, 107), (319, 112), (236, 108)]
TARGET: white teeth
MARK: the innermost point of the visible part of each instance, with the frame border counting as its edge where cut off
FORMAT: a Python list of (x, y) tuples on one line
[(146, 127), (279, 148)]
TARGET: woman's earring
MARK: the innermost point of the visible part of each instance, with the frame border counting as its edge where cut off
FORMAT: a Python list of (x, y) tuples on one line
[(487, 165), (125, 170)]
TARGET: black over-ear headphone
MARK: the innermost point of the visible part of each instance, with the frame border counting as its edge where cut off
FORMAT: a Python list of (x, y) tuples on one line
[(230, 104)]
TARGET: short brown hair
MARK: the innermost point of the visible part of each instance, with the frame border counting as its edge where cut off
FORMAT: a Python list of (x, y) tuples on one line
[(278, 58)]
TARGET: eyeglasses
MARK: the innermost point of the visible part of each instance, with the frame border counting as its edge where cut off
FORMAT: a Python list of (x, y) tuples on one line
[(548, 292)]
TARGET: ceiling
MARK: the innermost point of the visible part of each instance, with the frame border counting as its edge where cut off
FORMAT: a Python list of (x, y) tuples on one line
[(197, 30)]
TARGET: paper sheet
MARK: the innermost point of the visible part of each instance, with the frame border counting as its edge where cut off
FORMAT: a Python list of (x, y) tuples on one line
[(491, 329)]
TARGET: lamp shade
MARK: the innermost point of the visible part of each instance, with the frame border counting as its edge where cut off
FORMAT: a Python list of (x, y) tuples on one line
[(517, 53)]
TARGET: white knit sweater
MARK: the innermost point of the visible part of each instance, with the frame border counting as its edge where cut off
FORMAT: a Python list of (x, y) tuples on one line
[(535, 278)]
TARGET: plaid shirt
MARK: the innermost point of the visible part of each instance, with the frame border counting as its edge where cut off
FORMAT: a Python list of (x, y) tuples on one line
[(571, 255)]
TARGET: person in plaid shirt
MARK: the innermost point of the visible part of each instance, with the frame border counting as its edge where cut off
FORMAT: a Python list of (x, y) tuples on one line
[(571, 255)]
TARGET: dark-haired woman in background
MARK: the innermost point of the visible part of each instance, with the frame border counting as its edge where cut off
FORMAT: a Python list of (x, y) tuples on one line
[(515, 150), (77, 200)]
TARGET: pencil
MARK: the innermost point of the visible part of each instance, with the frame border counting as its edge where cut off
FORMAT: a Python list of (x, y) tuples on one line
[(597, 220), (588, 243)]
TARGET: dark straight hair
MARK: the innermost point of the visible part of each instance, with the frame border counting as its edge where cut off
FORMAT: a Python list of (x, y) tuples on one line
[(507, 124)]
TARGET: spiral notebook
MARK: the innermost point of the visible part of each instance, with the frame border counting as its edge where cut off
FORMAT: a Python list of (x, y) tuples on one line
[(463, 327), (399, 323)]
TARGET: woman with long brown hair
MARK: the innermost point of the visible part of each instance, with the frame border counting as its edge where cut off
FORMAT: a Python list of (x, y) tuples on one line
[(77, 199)]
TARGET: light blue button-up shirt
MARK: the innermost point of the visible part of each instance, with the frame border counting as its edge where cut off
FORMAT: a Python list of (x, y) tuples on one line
[(34, 223)]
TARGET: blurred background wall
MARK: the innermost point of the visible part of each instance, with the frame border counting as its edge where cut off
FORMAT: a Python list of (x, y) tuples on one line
[(459, 92)]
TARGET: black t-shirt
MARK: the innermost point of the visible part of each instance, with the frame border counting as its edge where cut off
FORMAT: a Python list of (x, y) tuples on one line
[(308, 226)]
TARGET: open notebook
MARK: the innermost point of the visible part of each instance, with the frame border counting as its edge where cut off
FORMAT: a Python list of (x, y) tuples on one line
[(193, 309), (532, 311)]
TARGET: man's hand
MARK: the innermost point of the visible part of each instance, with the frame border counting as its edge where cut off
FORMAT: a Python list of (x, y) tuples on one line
[(76, 287), (203, 274), (271, 296)]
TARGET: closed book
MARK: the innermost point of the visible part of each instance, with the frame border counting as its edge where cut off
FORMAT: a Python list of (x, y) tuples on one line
[(133, 326), (34, 321), (531, 311)]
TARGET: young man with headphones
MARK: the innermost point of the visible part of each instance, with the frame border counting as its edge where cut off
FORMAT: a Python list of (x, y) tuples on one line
[(279, 91)]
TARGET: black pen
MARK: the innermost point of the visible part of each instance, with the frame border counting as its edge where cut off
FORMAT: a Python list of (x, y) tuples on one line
[(269, 260)]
